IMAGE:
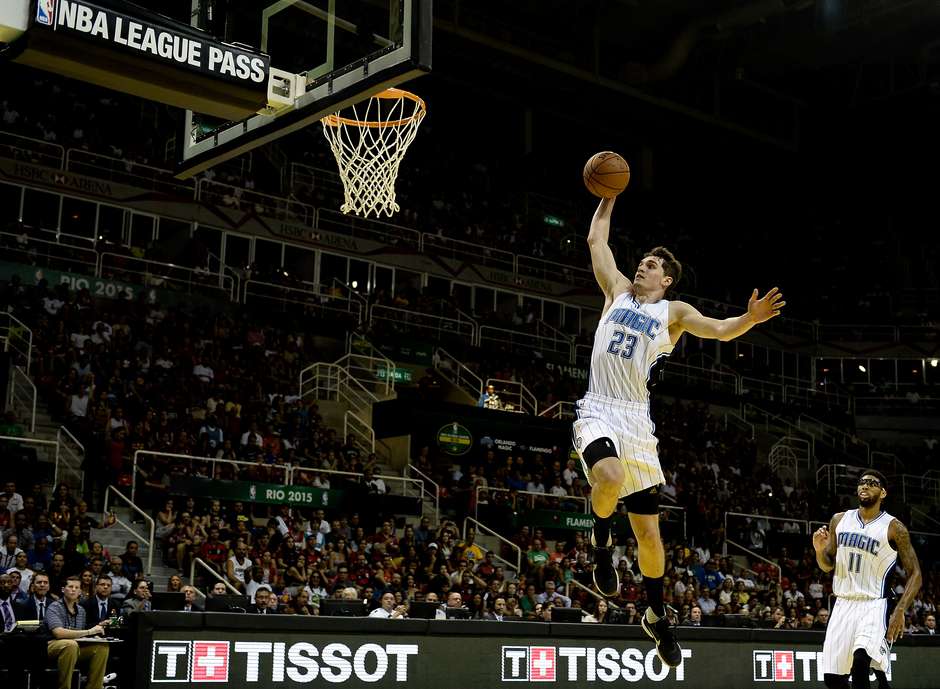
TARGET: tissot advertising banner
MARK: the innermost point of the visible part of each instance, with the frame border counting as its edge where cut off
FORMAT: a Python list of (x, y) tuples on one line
[(154, 37), (377, 656)]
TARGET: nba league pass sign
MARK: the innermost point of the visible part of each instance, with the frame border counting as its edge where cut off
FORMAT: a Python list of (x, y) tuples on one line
[(154, 37)]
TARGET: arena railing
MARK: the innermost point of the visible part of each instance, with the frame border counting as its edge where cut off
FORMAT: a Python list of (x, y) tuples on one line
[(22, 399), (565, 411), (365, 228), (792, 454), (325, 381), (425, 491), (849, 332), (533, 495), (361, 432), (50, 254), (126, 171), (192, 460), (202, 564), (832, 397), (406, 486), (692, 376), (919, 489), (757, 556), (848, 444), (159, 275), (150, 542), (71, 455), (25, 148), (773, 423), (578, 584), (527, 340), (481, 527), (454, 371), (17, 339), (430, 324), (268, 205), (363, 359), (47, 453), (874, 406), (732, 419), (514, 396), (782, 325), (315, 179), (543, 269), (459, 250), (308, 299)]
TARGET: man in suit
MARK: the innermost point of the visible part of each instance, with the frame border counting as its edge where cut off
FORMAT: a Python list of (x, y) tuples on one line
[(34, 607), (100, 606), (930, 625), (262, 602), (499, 610), (190, 605)]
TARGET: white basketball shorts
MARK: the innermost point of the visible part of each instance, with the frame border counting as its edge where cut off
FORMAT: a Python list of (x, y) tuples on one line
[(856, 624), (629, 426)]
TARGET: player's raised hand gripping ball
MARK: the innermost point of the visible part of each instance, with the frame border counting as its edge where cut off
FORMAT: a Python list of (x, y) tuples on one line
[(606, 174)]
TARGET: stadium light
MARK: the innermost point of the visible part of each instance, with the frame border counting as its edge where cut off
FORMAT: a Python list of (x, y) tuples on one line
[(862, 369), (934, 362)]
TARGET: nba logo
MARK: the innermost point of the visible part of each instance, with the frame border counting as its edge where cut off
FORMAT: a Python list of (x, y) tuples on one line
[(210, 661), (45, 11)]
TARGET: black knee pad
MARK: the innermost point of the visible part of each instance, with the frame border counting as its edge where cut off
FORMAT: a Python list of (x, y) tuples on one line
[(861, 669), (599, 449), (836, 681)]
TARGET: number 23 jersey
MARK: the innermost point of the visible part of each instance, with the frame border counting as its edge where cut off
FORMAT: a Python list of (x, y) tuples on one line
[(630, 338)]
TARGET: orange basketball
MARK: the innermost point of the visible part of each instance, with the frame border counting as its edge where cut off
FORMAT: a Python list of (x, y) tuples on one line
[(606, 174)]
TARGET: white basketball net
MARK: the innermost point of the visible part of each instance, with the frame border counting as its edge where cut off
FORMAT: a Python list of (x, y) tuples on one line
[(369, 144)]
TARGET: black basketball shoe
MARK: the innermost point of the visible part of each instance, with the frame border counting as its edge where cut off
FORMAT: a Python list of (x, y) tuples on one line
[(606, 578), (664, 636)]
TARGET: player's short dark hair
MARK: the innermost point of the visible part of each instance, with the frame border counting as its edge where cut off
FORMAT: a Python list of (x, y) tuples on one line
[(671, 265), (878, 475)]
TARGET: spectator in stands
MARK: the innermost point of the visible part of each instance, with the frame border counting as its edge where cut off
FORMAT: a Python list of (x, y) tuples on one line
[(552, 595), (238, 566), (388, 609), (14, 499), (133, 566), (9, 551), (120, 584), (65, 621), (374, 484), (695, 617), (139, 600), (930, 625), (489, 399)]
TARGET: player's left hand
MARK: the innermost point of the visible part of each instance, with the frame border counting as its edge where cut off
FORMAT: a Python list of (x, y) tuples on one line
[(764, 309), (895, 626)]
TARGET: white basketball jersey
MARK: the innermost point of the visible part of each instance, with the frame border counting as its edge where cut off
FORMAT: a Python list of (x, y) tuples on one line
[(864, 558), (629, 339)]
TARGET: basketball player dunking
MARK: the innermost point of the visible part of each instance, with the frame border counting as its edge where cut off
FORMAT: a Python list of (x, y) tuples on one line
[(614, 433), (862, 546)]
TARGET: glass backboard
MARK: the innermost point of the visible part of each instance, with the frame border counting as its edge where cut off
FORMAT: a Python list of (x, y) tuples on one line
[(337, 52)]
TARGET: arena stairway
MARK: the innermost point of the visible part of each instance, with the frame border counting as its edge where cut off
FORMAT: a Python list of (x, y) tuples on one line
[(115, 537)]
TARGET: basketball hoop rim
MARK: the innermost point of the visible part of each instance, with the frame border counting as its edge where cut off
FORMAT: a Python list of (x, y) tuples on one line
[(335, 120)]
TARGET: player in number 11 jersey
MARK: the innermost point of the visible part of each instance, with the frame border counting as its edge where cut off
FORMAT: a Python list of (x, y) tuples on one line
[(863, 546)]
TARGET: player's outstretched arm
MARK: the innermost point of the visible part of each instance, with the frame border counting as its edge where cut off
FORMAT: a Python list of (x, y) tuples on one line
[(901, 537), (824, 543), (611, 281), (689, 319)]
